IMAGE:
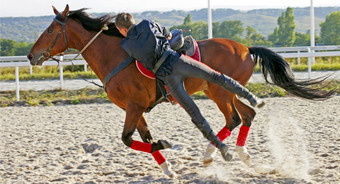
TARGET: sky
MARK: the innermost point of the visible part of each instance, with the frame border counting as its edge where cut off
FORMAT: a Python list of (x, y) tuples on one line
[(26, 8)]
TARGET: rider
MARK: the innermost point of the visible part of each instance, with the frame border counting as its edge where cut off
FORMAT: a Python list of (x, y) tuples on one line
[(148, 43)]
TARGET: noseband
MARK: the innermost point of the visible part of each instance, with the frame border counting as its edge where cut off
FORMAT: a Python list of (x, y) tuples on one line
[(46, 54)]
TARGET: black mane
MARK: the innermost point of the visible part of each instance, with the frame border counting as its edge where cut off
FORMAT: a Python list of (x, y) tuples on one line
[(95, 24)]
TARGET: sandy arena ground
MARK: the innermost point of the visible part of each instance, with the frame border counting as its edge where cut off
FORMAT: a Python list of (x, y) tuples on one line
[(291, 141)]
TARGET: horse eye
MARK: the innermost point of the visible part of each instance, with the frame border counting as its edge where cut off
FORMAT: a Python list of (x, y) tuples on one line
[(49, 30)]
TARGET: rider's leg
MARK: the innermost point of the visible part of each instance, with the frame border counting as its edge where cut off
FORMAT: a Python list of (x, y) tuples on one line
[(191, 68), (175, 84)]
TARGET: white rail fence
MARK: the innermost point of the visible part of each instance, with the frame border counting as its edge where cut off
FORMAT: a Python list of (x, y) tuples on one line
[(286, 52), (25, 63)]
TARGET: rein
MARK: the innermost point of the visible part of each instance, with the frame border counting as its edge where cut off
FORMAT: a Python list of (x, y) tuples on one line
[(47, 55)]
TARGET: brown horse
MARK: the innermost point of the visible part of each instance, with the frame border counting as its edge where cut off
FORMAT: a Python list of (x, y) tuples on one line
[(134, 93)]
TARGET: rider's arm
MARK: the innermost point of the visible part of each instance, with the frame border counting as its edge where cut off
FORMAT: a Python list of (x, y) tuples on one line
[(166, 32)]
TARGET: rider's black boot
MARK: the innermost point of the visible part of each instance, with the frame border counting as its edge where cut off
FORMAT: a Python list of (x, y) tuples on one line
[(207, 132), (235, 87)]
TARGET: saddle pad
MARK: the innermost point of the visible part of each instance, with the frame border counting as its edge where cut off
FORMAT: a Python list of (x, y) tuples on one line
[(151, 75)]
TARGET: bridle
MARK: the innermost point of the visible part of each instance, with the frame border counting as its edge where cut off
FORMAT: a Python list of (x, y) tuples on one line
[(46, 54)]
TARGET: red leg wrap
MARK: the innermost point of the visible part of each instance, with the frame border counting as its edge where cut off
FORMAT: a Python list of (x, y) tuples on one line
[(157, 155), (242, 136), (141, 146), (224, 133)]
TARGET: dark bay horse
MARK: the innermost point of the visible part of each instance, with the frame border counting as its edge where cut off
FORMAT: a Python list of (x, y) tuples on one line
[(134, 93)]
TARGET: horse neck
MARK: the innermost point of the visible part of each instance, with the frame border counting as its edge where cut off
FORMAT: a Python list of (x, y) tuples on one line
[(102, 55)]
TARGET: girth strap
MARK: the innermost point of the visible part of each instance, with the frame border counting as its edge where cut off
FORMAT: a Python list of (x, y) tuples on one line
[(114, 72)]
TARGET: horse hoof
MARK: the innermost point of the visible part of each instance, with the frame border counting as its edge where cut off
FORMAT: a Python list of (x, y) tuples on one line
[(226, 156), (207, 161), (166, 167), (172, 175), (161, 144), (243, 154), (165, 144), (209, 155)]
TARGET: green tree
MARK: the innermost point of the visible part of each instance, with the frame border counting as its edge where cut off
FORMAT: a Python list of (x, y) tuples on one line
[(216, 28), (199, 30), (23, 48), (330, 29), (302, 39), (230, 29), (7, 47), (187, 20), (250, 32), (284, 35), (12, 48), (274, 37), (253, 38)]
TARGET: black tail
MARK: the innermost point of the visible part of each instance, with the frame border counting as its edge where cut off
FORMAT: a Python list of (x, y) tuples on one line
[(282, 75)]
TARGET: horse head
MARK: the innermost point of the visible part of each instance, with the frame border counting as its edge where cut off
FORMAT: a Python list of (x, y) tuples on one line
[(52, 41)]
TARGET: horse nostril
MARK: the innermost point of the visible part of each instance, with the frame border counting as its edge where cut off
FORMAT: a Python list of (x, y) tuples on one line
[(30, 56)]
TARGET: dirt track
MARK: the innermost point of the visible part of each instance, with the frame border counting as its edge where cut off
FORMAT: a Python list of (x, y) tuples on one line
[(291, 141)]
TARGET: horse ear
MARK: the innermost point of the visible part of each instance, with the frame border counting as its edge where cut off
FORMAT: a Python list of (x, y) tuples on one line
[(56, 12), (66, 11)]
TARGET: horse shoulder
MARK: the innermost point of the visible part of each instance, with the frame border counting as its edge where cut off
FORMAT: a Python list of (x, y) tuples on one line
[(130, 86)]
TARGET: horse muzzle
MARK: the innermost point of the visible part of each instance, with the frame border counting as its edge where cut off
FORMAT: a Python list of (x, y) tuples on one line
[(38, 59)]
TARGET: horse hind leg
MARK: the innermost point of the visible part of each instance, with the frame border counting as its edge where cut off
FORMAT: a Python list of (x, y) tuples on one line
[(247, 114), (224, 101), (134, 118), (233, 110)]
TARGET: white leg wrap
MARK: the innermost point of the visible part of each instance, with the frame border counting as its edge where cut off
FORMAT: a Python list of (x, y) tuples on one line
[(209, 155), (243, 154), (166, 167)]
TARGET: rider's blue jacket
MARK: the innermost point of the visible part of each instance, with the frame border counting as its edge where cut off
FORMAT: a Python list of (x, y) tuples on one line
[(147, 42)]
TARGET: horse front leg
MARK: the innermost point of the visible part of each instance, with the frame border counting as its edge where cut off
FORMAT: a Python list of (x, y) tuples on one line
[(232, 120), (145, 134), (144, 131), (134, 115)]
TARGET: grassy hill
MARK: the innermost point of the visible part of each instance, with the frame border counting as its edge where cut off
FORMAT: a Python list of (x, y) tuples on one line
[(28, 29)]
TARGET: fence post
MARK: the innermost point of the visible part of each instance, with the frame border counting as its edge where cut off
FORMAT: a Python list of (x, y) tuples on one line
[(309, 63), (31, 70), (61, 73), (17, 93), (85, 67), (299, 58)]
